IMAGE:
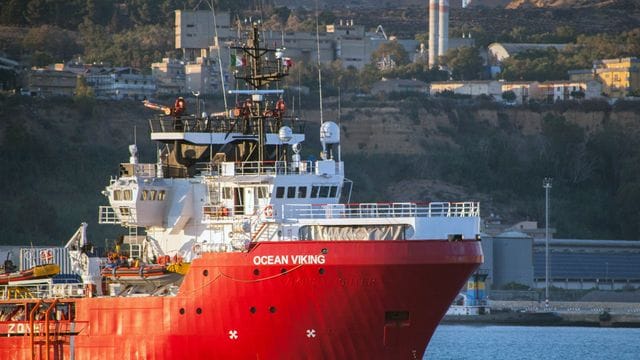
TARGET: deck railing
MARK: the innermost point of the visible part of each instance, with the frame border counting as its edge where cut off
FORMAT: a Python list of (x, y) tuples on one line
[(260, 168), (213, 213), (381, 210), (45, 289), (184, 124)]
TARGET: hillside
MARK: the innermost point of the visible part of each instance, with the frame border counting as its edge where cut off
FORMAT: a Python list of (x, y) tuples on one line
[(515, 4), (59, 154)]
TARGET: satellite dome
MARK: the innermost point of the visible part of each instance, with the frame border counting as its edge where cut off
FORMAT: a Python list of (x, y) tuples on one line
[(330, 133), (285, 134)]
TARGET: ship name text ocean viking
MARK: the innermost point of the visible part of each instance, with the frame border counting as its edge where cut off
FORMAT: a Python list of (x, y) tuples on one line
[(288, 259)]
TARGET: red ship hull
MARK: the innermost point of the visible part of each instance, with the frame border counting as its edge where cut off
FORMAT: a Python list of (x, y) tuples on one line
[(280, 300)]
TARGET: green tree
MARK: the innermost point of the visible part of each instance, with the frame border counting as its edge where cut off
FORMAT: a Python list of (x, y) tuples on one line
[(82, 89), (41, 59), (98, 43), (393, 50), (37, 12), (565, 149), (13, 12), (509, 96), (536, 65), (465, 63), (58, 43), (99, 11)]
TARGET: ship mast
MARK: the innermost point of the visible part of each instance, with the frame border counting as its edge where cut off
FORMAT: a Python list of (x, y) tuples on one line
[(260, 68)]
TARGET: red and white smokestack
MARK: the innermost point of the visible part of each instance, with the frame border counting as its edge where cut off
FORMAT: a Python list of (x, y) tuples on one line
[(443, 27), (433, 32)]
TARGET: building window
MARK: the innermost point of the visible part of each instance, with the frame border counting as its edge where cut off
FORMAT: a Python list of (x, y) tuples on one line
[(324, 191), (227, 193), (263, 192)]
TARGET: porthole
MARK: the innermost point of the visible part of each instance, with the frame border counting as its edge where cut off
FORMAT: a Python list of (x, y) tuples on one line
[(256, 272), (181, 311), (198, 311), (272, 309), (205, 272)]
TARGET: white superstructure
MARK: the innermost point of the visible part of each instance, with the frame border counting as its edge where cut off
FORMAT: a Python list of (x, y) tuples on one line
[(226, 181)]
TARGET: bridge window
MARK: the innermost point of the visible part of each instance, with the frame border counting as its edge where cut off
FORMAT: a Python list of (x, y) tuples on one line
[(291, 192), (314, 191), (161, 195), (333, 191), (324, 192), (128, 194), (117, 195), (302, 192), (144, 195), (263, 192), (279, 192), (227, 193)]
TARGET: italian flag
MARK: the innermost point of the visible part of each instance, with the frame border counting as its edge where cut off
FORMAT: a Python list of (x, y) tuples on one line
[(237, 62)]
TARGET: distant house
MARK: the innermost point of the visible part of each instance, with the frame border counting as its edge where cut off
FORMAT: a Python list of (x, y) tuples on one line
[(524, 90), (553, 91), (619, 77), (46, 82), (472, 88), (169, 76), (399, 85), (119, 83)]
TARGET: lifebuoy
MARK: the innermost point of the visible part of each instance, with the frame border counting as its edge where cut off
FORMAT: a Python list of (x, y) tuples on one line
[(197, 249), (46, 255), (268, 211)]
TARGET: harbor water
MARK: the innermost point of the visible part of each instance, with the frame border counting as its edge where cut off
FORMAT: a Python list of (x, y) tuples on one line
[(488, 342)]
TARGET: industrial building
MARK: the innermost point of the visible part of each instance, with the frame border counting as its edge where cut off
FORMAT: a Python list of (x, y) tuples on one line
[(518, 256), (588, 264), (498, 52)]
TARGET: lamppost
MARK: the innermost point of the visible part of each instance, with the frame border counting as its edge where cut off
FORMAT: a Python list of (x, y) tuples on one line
[(546, 184)]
